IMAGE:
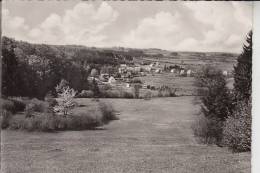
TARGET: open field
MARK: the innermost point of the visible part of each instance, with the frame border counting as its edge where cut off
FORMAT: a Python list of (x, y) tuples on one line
[(151, 136), (184, 85)]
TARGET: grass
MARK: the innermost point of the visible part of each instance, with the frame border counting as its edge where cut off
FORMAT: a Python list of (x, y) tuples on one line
[(184, 85), (151, 136)]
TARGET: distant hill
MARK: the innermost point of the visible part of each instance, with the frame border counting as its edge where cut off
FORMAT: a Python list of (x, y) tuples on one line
[(117, 55)]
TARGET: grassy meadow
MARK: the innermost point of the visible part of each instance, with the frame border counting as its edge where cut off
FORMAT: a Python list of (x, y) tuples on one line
[(150, 136)]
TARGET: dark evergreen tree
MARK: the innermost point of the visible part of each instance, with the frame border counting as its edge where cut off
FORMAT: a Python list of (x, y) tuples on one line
[(243, 71), (10, 74), (95, 88)]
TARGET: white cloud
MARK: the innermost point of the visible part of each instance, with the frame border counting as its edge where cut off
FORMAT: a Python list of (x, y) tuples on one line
[(210, 26), (191, 26), (82, 24), (13, 26)]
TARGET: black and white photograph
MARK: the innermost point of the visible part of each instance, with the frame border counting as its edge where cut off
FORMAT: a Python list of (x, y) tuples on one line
[(126, 86)]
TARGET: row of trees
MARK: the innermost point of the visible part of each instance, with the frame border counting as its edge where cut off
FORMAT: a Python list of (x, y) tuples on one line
[(36, 75), (227, 113), (33, 70)]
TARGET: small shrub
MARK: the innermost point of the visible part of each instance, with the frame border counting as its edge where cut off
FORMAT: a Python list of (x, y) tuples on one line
[(148, 95), (104, 87), (86, 94), (12, 105), (66, 101), (207, 130), (237, 128), (136, 80), (111, 94), (19, 105), (108, 112), (166, 91), (136, 90), (36, 105), (45, 121), (116, 94), (52, 102), (126, 94)]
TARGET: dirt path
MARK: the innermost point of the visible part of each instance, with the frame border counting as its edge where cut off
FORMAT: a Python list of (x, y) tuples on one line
[(151, 136)]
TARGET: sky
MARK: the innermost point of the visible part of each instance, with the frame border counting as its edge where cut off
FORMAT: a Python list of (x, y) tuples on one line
[(177, 26)]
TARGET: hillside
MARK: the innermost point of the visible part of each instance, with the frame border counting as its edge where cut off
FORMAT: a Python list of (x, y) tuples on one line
[(117, 55)]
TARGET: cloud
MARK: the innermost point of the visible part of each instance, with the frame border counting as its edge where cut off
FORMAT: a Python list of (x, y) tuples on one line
[(13, 25), (82, 24), (188, 26), (202, 26)]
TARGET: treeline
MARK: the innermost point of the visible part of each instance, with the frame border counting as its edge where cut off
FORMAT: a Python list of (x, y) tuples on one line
[(226, 114), (33, 70)]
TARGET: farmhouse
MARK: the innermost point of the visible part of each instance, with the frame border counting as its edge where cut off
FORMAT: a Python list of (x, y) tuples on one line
[(188, 72), (225, 73), (182, 72), (111, 80)]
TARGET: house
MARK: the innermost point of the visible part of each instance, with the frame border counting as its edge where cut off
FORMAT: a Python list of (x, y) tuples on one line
[(148, 68), (112, 80), (182, 72), (188, 72), (144, 86), (173, 70), (225, 73), (158, 70), (127, 85), (104, 77)]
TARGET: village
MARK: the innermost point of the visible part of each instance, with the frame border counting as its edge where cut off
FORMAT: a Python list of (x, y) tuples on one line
[(145, 75)]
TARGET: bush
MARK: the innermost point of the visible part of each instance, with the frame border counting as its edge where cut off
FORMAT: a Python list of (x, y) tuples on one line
[(40, 122), (108, 113), (65, 101), (12, 105), (237, 128), (19, 105), (217, 104), (136, 90), (36, 105), (86, 94), (166, 91), (208, 130), (148, 95), (125, 94), (116, 94), (103, 114), (52, 102), (136, 80)]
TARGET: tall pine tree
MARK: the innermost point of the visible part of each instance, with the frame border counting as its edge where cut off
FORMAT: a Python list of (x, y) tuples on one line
[(243, 71)]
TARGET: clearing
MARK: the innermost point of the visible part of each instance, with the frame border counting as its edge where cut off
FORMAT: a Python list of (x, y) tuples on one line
[(151, 136)]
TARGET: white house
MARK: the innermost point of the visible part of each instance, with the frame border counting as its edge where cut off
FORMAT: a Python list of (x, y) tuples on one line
[(182, 72), (111, 80), (188, 72), (225, 73), (173, 70), (157, 70)]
